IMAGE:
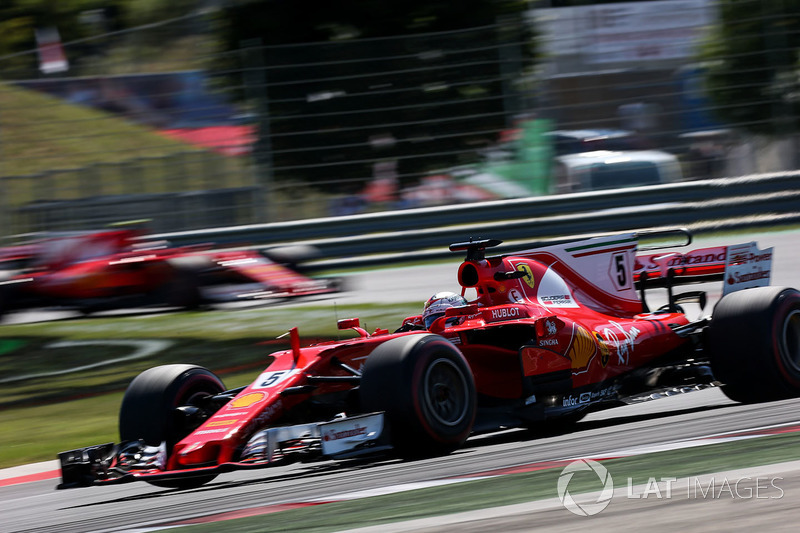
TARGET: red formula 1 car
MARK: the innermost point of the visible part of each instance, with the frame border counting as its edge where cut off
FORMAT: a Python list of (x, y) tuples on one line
[(551, 334), (118, 268)]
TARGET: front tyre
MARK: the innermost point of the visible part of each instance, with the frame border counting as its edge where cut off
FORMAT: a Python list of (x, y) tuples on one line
[(754, 342), (149, 409), (8, 293), (3, 302), (426, 388)]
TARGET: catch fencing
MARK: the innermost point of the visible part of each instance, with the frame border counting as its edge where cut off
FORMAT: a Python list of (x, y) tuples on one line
[(159, 123), (706, 205)]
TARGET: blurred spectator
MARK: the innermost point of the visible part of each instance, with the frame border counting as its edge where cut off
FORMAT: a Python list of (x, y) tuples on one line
[(381, 191)]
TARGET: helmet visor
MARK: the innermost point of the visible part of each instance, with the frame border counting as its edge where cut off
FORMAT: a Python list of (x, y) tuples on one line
[(430, 319)]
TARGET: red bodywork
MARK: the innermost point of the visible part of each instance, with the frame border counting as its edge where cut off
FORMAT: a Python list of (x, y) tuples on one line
[(548, 333), (119, 268)]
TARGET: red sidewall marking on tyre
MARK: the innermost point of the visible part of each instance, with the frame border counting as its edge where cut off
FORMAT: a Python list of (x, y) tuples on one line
[(777, 337)]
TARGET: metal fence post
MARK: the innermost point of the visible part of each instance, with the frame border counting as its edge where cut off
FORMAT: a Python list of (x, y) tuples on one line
[(255, 84), (510, 62), (5, 211)]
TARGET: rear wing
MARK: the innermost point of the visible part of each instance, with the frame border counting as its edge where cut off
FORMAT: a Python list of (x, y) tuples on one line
[(740, 266), (607, 271), (705, 264)]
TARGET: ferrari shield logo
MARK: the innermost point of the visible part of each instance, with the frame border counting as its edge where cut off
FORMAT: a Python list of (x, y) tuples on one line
[(528, 277)]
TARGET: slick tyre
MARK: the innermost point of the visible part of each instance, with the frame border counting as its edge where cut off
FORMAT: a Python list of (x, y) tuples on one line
[(3, 302), (754, 341), (293, 256), (425, 387), (8, 293), (148, 410)]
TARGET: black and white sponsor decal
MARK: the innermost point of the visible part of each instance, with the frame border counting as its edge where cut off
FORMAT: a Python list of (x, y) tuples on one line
[(746, 266), (554, 292), (572, 400)]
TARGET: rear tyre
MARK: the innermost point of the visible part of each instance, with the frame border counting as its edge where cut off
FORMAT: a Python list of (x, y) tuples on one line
[(148, 410), (754, 341), (426, 388), (292, 256)]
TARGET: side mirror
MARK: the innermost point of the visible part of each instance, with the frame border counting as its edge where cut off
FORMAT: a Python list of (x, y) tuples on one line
[(348, 323)]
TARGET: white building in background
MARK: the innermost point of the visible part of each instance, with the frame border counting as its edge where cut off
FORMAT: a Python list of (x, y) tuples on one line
[(652, 43), (625, 35)]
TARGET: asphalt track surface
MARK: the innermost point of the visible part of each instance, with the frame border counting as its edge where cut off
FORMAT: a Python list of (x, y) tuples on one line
[(39, 507)]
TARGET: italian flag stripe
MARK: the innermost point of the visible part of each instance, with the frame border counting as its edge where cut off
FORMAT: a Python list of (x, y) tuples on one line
[(600, 244)]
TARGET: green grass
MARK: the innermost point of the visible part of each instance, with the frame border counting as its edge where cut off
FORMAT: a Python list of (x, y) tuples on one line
[(258, 321), (43, 134), (81, 408), (32, 434), (524, 487), (49, 133)]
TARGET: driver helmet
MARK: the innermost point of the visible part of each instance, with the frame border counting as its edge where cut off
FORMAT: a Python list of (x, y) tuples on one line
[(438, 303)]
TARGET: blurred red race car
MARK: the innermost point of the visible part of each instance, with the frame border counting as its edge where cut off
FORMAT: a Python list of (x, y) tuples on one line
[(551, 334), (119, 268)]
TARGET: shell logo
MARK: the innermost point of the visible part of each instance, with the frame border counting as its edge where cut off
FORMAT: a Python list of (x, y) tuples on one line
[(221, 423), (583, 348), (247, 400), (528, 277)]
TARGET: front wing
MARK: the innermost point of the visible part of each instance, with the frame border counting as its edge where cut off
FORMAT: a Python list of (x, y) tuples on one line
[(341, 438), (267, 279)]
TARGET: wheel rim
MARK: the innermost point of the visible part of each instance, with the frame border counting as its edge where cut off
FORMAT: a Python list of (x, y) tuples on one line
[(193, 399), (446, 393), (790, 341)]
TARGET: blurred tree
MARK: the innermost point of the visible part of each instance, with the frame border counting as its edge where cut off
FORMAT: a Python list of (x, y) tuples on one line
[(289, 21), (364, 100), (753, 65), (19, 20), (411, 103), (76, 20), (139, 12)]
